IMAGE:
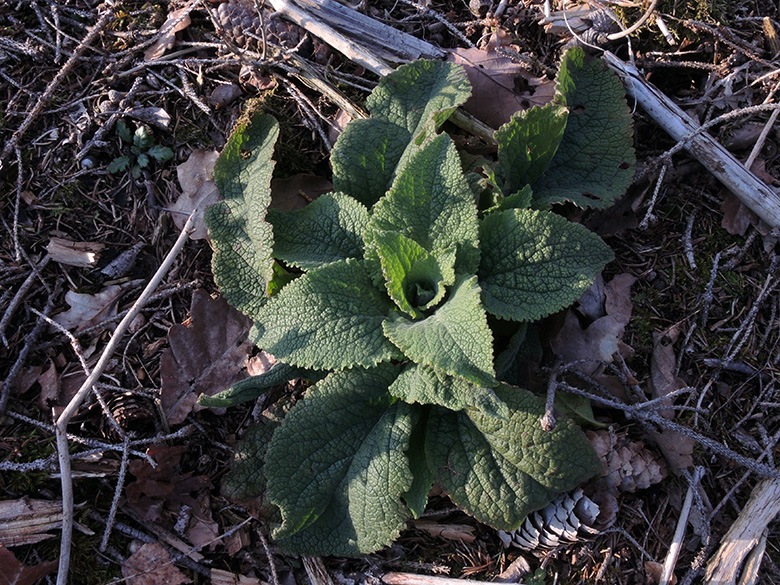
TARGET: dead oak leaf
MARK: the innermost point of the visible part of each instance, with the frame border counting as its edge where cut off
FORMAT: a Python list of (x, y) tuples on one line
[(204, 358), (151, 565), (177, 21), (88, 310), (499, 86), (14, 572), (198, 191)]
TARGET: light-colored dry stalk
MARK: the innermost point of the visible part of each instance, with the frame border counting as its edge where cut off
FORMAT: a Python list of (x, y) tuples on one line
[(71, 409), (753, 192), (745, 534)]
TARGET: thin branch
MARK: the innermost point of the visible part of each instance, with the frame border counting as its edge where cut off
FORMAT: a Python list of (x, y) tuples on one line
[(106, 17), (86, 387)]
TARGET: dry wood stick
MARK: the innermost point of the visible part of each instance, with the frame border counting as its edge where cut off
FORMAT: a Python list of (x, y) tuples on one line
[(753, 192), (73, 406), (761, 509)]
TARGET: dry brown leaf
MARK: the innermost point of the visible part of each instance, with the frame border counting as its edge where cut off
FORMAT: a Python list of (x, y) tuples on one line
[(500, 87), (50, 387), (297, 191), (163, 487), (88, 310), (603, 337), (677, 448), (151, 565), (204, 358), (177, 21), (13, 572), (198, 191)]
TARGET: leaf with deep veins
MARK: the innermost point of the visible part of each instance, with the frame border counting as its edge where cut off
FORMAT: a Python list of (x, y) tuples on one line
[(329, 318), (337, 465), (499, 471), (456, 339)]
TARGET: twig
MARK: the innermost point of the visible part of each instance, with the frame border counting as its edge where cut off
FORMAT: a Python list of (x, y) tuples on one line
[(649, 216), (9, 312), (267, 550), (688, 240), (120, 483), (643, 19), (18, 204), (679, 533), (728, 170), (32, 339), (86, 387), (106, 17)]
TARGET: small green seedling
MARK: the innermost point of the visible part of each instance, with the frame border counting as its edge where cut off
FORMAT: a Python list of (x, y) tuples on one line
[(142, 150), (393, 295)]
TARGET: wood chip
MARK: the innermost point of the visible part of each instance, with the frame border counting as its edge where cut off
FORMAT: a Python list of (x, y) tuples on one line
[(82, 254)]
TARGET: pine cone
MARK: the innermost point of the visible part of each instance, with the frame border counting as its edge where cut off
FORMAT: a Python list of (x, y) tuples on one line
[(243, 26), (626, 465), (568, 519)]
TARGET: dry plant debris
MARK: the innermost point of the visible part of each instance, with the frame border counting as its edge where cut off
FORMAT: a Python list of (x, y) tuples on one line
[(701, 311)]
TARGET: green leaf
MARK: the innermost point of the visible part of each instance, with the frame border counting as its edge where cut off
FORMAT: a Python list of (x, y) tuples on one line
[(416, 497), (143, 160), (160, 153), (125, 134), (119, 164), (142, 139), (415, 279), (432, 204), (406, 107), (252, 387), (520, 200), (425, 385), (329, 318), (456, 339), (242, 239), (535, 263), (336, 467), (329, 228), (135, 171), (501, 470), (594, 164), (527, 144), (246, 479)]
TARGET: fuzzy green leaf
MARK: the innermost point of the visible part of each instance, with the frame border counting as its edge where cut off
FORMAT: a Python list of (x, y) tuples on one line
[(425, 385), (406, 106), (456, 339), (242, 239), (535, 263), (330, 228), (501, 470), (432, 204), (594, 164), (337, 469), (252, 387), (416, 497), (246, 479), (329, 318), (527, 144), (415, 279)]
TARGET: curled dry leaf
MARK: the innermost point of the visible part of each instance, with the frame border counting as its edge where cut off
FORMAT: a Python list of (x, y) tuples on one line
[(88, 310), (198, 191), (151, 565), (603, 336), (14, 572), (177, 21), (500, 87), (204, 358), (677, 448)]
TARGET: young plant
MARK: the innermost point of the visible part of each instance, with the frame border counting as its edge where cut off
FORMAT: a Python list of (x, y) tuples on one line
[(142, 150), (389, 292)]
